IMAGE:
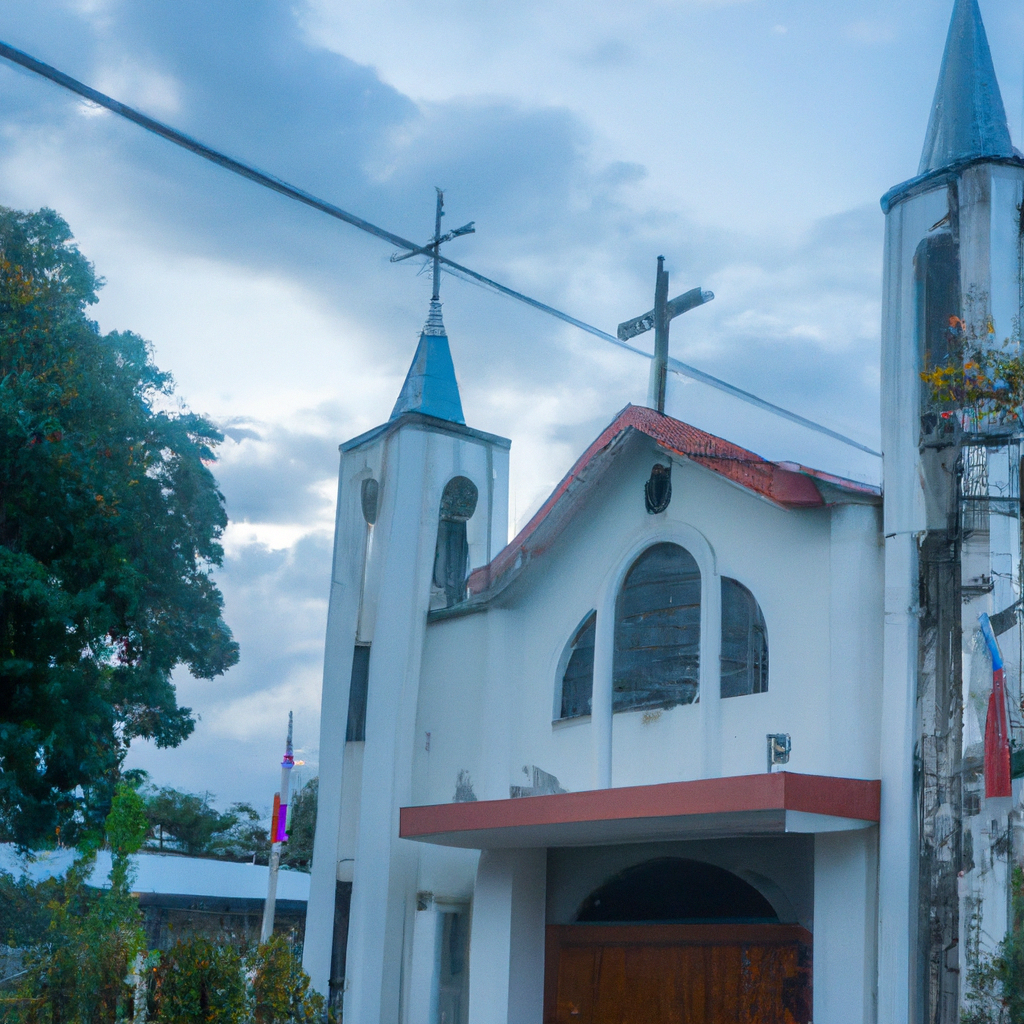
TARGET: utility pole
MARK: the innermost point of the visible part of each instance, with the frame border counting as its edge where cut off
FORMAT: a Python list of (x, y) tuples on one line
[(659, 318), (278, 835)]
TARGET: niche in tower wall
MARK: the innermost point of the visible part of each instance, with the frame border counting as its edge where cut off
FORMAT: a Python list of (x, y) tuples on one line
[(937, 280), (355, 730), (451, 555)]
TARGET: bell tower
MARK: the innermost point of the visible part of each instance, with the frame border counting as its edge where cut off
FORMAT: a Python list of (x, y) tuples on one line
[(422, 501), (952, 286)]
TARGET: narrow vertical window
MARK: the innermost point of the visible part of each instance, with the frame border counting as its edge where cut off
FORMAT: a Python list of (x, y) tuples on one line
[(578, 676), (744, 642), (356, 729), (451, 556), (937, 280), (657, 631)]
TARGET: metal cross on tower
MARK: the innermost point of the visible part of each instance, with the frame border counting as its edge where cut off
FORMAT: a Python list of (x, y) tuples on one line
[(659, 318), (433, 247)]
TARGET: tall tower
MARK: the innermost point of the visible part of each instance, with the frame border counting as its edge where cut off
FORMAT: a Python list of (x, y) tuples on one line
[(952, 285), (422, 500)]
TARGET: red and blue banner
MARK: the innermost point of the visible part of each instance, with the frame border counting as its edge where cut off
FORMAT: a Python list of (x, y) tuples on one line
[(997, 734)]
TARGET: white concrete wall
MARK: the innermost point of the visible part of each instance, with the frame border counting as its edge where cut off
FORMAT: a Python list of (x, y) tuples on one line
[(490, 679), (845, 926)]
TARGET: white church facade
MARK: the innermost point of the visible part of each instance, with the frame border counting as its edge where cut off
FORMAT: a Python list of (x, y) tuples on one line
[(706, 740)]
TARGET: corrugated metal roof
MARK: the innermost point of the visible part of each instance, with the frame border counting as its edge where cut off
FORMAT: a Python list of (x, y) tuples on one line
[(167, 874)]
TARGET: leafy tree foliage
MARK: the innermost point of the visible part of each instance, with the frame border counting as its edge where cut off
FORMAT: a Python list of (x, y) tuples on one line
[(298, 851), (189, 823), (280, 988), (1009, 964), (110, 522), (198, 980), (77, 972)]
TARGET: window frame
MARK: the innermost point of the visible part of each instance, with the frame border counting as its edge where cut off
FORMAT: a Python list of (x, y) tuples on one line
[(568, 649)]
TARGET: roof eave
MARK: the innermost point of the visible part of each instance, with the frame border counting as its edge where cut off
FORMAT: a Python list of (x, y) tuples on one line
[(941, 176)]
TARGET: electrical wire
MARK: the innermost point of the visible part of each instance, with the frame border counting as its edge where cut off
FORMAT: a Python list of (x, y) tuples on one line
[(47, 71)]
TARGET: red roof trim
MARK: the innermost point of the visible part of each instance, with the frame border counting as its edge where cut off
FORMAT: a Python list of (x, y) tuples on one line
[(859, 799), (769, 479)]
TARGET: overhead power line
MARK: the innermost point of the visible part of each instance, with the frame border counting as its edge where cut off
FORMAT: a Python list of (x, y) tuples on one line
[(30, 63)]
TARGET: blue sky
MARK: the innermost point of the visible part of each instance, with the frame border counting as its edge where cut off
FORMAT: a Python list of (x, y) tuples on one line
[(747, 141)]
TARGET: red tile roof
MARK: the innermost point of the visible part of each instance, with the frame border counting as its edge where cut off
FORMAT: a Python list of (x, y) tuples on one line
[(779, 483)]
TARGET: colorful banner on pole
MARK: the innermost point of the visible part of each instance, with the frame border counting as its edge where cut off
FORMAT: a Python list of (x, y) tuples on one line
[(997, 737)]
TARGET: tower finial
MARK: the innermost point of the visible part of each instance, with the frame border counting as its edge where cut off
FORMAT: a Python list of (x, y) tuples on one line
[(967, 119), (430, 386), (435, 295)]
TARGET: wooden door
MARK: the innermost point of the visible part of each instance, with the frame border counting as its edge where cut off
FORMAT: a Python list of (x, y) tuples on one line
[(677, 974)]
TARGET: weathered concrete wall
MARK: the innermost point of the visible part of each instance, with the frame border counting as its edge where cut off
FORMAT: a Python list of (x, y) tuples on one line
[(490, 680)]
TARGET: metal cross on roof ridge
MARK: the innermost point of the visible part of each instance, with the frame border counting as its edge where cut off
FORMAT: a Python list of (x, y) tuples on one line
[(659, 318), (433, 247)]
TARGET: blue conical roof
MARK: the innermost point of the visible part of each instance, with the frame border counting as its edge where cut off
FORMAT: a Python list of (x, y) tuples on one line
[(968, 120), (430, 386)]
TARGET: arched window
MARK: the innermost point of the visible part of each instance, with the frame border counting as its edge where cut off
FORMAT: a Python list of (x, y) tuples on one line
[(451, 556), (744, 642), (937, 280), (657, 631), (578, 673)]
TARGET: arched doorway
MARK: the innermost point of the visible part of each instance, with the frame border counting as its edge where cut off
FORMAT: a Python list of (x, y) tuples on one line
[(675, 941)]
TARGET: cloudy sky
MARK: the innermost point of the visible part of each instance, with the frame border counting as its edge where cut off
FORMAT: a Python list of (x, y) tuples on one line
[(747, 141)]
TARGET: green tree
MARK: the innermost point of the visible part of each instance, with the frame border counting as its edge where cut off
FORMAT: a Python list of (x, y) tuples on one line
[(199, 982), (247, 839), (280, 991), (189, 823), (1009, 964), (110, 524), (78, 973), (186, 820), (298, 851)]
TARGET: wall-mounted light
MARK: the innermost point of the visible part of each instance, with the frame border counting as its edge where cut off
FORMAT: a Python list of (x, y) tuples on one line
[(779, 746)]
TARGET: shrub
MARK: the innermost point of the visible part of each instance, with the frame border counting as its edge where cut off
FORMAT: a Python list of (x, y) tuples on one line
[(280, 987), (198, 982)]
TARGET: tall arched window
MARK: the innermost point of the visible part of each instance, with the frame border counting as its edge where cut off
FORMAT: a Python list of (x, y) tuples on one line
[(451, 556), (937, 281), (578, 673), (744, 642), (657, 631)]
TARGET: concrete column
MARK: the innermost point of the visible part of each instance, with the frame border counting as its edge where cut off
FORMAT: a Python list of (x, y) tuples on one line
[(600, 701), (384, 878), (601, 693), (342, 617), (845, 904), (709, 707), (506, 958), (897, 884)]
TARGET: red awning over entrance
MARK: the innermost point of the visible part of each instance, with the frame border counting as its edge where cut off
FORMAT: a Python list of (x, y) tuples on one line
[(706, 808)]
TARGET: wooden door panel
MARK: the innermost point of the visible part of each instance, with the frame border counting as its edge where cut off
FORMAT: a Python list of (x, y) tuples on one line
[(677, 974)]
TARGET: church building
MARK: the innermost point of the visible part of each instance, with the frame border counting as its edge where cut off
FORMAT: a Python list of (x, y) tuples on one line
[(713, 738)]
